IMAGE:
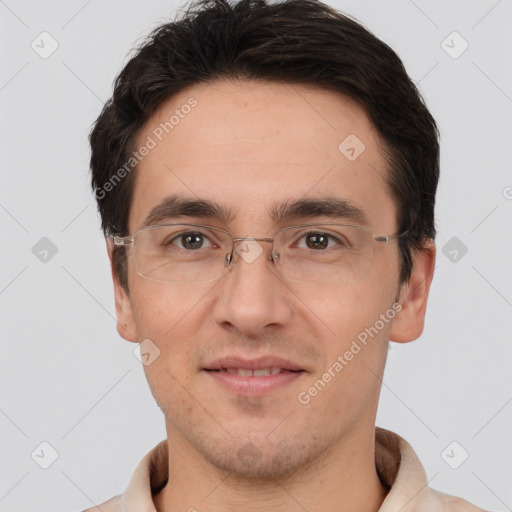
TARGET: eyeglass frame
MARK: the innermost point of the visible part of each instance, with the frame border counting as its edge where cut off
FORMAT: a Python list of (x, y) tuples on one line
[(121, 241)]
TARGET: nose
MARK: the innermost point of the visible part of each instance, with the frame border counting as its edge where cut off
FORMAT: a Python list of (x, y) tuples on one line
[(252, 296)]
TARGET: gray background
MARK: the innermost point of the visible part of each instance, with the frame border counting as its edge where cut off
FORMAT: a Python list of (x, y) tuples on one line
[(69, 380)]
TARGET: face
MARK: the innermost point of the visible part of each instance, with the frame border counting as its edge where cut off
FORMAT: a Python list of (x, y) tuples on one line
[(250, 147)]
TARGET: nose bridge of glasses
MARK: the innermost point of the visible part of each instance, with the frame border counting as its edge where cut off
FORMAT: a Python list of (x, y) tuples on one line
[(229, 256), (264, 239)]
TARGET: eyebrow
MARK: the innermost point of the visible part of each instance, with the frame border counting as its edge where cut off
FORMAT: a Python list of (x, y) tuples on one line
[(178, 206), (329, 206)]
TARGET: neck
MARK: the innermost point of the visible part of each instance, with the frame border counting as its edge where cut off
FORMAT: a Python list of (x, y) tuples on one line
[(343, 478)]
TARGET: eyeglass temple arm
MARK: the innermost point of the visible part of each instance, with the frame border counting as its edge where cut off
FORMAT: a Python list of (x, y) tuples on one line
[(387, 238), (122, 240)]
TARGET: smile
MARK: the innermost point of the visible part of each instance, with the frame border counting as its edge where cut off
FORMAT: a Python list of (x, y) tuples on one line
[(247, 372)]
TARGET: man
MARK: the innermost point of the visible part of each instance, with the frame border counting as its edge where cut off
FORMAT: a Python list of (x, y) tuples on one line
[(266, 178)]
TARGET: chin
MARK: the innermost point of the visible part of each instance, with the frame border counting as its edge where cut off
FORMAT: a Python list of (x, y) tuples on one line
[(262, 458)]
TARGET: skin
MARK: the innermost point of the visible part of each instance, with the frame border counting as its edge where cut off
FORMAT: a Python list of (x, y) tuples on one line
[(247, 145)]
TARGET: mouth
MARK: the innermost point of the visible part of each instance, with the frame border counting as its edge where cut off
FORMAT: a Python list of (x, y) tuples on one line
[(254, 377), (247, 372)]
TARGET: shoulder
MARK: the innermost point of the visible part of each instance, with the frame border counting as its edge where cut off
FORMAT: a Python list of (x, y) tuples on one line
[(112, 505), (453, 504)]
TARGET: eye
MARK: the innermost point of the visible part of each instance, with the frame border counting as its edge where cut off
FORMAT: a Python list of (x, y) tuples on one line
[(190, 240), (317, 240)]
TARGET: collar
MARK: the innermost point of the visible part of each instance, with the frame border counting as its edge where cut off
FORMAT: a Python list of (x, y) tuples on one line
[(396, 462)]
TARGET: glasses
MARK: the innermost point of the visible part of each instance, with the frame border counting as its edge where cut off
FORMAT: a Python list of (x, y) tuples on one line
[(196, 253)]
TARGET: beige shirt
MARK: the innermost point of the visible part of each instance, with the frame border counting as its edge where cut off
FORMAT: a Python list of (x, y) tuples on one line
[(397, 466)]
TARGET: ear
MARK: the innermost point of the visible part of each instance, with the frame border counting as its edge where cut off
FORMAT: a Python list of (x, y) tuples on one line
[(409, 322), (126, 326)]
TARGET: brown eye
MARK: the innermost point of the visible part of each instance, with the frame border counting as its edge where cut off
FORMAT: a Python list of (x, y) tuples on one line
[(317, 240), (190, 241)]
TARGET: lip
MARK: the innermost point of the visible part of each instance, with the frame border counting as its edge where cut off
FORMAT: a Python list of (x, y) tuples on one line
[(253, 385), (253, 364)]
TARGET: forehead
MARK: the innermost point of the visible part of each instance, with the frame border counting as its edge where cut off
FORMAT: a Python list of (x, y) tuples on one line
[(251, 146)]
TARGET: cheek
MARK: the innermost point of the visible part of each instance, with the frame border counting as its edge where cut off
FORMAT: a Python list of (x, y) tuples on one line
[(360, 320), (161, 309), (346, 311), (349, 381), (165, 320)]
